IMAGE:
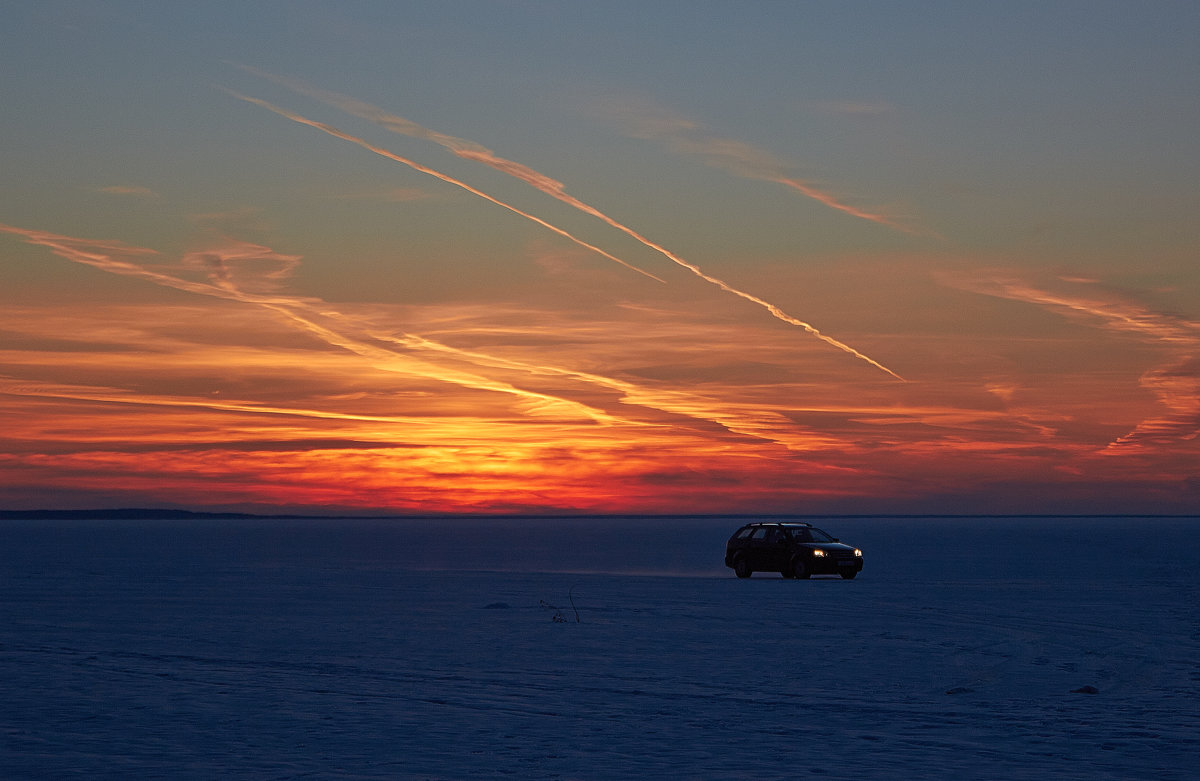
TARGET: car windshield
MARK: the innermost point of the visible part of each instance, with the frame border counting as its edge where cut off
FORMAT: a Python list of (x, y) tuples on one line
[(813, 535)]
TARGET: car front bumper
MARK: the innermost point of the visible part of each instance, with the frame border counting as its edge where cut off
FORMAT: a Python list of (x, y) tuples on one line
[(830, 565)]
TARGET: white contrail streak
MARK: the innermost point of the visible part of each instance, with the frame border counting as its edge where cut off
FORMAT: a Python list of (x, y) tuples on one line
[(733, 156), (336, 133), (473, 151)]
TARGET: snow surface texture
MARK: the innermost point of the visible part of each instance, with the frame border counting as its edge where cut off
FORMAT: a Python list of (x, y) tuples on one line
[(968, 649)]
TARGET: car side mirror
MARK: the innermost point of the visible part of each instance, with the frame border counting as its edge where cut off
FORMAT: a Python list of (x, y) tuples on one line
[(835, 539)]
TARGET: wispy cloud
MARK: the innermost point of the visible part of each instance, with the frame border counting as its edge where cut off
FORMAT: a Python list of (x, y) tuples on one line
[(1083, 299), (1175, 385), (135, 191), (556, 189), (242, 266), (683, 136), (242, 221), (218, 263)]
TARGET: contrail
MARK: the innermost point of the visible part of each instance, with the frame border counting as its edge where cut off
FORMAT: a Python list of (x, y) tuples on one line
[(733, 156), (111, 395), (473, 151), (822, 197), (335, 132)]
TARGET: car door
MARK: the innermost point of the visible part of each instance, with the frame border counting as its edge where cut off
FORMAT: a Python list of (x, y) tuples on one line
[(757, 552), (768, 549), (775, 550)]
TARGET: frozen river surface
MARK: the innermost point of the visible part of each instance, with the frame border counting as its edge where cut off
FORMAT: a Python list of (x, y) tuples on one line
[(1018, 648)]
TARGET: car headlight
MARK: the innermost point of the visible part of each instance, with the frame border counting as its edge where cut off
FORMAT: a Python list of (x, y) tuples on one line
[(858, 553), (818, 552)]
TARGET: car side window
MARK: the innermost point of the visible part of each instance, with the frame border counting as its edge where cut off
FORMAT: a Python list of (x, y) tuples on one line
[(801, 535), (744, 533), (759, 534)]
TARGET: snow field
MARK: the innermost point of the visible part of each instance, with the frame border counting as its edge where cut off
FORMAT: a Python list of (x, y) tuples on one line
[(318, 650)]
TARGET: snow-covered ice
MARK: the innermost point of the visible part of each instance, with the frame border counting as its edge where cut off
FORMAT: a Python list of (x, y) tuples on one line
[(1017, 648)]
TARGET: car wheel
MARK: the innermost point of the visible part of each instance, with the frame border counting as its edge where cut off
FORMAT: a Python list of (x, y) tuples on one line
[(741, 567), (799, 569), (849, 575)]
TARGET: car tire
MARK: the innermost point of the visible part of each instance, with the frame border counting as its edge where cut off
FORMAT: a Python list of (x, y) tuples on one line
[(849, 575), (741, 567), (798, 569)]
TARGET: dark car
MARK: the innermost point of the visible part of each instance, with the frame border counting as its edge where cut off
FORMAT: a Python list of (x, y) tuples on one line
[(795, 550)]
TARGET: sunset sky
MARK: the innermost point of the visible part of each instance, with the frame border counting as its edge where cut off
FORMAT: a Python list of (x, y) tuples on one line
[(614, 257)]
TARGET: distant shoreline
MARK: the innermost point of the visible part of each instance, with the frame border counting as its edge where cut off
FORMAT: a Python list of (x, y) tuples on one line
[(139, 513)]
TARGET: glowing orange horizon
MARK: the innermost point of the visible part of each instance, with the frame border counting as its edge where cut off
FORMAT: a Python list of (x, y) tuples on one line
[(393, 419)]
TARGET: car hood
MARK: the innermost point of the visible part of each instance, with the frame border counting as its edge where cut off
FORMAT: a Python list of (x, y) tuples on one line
[(829, 546)]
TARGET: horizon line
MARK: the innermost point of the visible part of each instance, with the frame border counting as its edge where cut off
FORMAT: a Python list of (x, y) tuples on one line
[(153, 513)]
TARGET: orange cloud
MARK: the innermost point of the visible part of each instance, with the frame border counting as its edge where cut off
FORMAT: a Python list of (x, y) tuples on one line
[(1176, 386), (235, 269), (136, 191)]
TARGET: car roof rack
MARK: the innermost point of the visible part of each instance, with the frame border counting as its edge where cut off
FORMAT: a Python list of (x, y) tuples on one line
[(780, 523)]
